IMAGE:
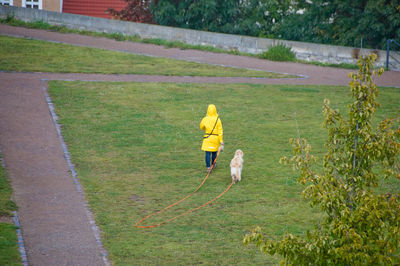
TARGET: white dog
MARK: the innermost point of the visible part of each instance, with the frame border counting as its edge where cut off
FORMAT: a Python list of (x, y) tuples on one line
[(236, 166)]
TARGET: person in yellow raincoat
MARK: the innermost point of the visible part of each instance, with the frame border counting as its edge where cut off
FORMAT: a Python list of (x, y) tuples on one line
[(213, 135)]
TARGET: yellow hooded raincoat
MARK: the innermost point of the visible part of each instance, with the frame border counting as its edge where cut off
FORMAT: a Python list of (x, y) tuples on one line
[(211, 142)]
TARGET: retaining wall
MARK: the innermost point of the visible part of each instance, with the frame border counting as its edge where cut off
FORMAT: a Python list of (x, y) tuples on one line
[(304, 51)]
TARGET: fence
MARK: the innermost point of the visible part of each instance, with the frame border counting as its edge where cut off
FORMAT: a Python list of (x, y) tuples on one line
[(395, 56)]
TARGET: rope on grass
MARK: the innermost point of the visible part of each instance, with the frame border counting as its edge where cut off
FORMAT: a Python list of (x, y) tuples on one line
[(179, 201)]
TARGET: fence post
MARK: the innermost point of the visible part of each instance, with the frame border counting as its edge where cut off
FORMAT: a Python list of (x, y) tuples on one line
[(387, 52)]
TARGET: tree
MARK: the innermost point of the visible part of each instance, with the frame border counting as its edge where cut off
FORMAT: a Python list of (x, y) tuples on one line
[(372, 20), (209, 15), (135, 10), (263, 17), (362, 226), (340, 22), (251, 17), (344, 22)]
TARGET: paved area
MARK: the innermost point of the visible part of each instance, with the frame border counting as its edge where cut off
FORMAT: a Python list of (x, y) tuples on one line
[(54, 220), (56, 223)]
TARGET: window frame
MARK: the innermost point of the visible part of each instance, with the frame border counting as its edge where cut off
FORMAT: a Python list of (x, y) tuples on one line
[(6, 2), (39, 3)]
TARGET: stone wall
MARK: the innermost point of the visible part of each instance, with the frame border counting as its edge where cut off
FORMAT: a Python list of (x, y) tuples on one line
[(304, 51)]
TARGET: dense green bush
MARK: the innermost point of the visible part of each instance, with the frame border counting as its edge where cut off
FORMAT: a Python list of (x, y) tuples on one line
[(342, 22)]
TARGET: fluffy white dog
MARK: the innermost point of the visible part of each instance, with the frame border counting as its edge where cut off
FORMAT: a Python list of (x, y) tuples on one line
[(236, 166)]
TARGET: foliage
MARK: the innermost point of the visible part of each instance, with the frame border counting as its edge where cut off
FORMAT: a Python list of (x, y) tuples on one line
[(135, 10), (208, 15), (279, 52), (345, 22), (263, 17), (253, 17), (362, 224), (340, 22)]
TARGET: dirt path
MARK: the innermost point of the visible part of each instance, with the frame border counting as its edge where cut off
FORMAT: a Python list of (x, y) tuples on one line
[(56, 222)]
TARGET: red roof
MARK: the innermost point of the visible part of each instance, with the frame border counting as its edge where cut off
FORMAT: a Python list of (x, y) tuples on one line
[(93, 8)]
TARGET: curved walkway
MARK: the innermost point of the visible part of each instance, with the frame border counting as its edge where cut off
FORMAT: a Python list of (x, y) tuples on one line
[(57, 225)]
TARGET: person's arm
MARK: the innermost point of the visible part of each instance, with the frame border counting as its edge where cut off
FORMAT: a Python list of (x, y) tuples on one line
[(220, 132), (202, 125)]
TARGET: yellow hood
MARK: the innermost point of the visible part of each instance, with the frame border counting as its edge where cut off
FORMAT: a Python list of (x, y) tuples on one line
[(212, 110)]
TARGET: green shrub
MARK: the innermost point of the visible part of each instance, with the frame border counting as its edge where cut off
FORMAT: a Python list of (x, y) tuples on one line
[(117, 36), (279, 52)]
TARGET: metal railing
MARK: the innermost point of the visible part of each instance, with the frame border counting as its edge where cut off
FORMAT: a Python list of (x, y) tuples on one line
[(388, 50)]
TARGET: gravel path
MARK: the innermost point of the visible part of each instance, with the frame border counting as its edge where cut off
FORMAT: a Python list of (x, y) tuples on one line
[(57, 225)]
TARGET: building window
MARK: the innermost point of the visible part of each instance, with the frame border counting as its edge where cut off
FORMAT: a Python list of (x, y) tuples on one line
[(37, 4), (6, 2)]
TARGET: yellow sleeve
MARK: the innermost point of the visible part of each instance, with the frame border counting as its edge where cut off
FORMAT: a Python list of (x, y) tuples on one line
[(202, 126), (220, 131)]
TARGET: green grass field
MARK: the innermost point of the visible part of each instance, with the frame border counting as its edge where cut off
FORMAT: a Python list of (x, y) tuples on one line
[(26, 55), (136, 147), (9, 254)]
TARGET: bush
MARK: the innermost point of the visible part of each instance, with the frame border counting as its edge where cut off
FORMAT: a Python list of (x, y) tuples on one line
[(279, 52)]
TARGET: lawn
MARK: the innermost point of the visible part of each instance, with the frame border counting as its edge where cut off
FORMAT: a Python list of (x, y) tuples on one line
[(26, 55), (9, 254), (136, 148)]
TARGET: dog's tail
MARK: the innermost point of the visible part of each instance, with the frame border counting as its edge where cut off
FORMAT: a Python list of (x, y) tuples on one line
[(233, 174)]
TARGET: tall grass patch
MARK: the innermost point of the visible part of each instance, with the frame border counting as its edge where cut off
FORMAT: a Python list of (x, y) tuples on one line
[(136, 147), (279, 52)]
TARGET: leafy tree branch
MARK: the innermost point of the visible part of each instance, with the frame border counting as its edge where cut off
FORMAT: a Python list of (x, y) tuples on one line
[(361, 226)]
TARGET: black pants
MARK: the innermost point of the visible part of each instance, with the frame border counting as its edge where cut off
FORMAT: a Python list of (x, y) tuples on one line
[(210, 161)]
